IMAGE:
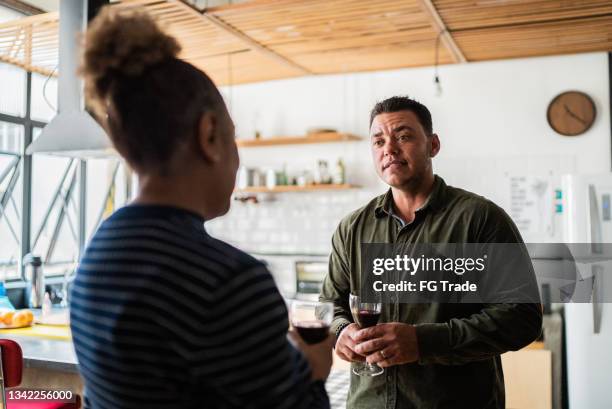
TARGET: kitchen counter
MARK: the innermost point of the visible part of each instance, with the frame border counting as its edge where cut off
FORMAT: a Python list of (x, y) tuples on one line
[(48, 354), (53, 362), (48, 364)]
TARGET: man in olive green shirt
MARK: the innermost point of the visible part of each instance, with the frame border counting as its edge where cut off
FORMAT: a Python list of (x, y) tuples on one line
[(435, 355)]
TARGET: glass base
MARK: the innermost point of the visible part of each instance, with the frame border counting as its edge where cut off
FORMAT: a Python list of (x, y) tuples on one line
[(363, 369)]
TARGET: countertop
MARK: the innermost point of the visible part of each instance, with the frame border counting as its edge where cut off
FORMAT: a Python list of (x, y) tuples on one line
[(59, 356), (44, 353), (48, 354)]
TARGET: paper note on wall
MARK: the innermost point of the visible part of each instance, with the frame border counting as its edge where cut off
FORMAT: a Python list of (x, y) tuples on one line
[(531, 204)]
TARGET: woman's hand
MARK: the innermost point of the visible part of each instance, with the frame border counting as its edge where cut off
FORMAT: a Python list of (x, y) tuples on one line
[(319, 355)]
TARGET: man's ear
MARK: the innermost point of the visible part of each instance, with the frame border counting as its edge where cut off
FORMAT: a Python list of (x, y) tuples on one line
[(208, 137), (435, 145)]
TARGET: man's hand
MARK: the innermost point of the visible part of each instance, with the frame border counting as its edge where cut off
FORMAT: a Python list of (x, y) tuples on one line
[(345, 346), (319, 355), (388, 344)]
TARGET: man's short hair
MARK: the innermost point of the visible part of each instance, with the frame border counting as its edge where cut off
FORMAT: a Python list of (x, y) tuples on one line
[(404, 103)]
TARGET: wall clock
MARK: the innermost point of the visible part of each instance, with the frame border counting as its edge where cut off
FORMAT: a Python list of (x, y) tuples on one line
[(571, 113)]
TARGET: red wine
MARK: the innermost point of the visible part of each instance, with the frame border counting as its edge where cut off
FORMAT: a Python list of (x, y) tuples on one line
[(312, 332), (367, 318)]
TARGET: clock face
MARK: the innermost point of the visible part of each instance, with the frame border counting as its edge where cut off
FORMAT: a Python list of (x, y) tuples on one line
[(571, 113)]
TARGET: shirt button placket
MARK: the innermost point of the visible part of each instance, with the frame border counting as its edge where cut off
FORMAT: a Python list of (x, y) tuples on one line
[(391, 373)]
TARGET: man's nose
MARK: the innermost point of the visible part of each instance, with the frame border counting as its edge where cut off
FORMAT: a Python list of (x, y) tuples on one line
[(390, 148)]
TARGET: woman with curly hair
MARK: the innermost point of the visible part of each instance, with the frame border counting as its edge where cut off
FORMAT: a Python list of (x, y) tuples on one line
[(164, 315)]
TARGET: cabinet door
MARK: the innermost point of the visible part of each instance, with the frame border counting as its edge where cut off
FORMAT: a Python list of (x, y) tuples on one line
[(528, 379)]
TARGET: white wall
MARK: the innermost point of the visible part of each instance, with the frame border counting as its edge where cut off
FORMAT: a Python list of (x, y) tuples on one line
[(491, 119)]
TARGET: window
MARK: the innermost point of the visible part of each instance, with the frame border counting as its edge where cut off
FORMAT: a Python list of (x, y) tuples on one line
[(107, 190), (12, 84), (11, 140), (55, 205), (52, 189), (44, 98), (55, 217)]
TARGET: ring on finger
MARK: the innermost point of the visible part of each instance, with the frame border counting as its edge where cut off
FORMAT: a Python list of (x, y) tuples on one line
[(382, 353)]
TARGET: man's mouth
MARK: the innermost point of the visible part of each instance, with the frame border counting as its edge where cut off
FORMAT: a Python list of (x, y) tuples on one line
[(398, 162)]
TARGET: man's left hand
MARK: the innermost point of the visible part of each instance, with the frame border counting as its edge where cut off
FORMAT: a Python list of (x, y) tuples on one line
[(388, 344)]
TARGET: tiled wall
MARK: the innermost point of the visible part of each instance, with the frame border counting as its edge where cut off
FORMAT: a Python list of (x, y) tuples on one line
[(491, 121), (288, 223)]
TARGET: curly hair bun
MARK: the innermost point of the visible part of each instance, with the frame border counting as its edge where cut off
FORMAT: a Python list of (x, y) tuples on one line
[(122, 42)]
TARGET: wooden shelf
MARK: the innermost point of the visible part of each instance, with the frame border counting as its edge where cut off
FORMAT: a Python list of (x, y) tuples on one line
[(294, 188), (326, 137)]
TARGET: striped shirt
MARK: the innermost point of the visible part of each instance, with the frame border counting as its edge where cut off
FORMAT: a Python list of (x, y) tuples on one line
[(165, 316)]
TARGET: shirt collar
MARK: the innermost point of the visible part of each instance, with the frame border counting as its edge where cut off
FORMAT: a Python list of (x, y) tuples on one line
[(434, 201)]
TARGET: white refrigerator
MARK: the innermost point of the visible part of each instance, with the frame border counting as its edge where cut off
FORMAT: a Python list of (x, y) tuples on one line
[(587, 218)]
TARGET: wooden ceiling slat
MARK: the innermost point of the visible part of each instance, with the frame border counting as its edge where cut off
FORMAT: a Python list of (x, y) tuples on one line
[(324, 38), (206, 40), (303, 7), (323, 32), (440, 27), (27, 67), (372, 40), (371, 59), (359, 23), (468, 14), (581, 35), (246, 67), (290, 17), (195, 56), (190, 24), (255, 45), (30, 20), (318, 16)]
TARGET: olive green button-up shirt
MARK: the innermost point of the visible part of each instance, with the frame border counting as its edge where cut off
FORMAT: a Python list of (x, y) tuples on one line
[(459, 344)]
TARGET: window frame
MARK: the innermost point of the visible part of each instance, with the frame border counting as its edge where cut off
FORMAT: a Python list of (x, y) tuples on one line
[(26, 172)]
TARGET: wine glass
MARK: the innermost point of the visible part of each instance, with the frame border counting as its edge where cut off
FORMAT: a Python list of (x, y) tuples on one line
[(365, 314), (312, 320)]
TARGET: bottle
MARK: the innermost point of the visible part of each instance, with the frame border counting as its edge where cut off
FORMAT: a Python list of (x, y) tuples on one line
[(5, 303), (339, 177), (35, 279), (243, 177), (270, 179), (46, 306), (322, 175), (283, 177)]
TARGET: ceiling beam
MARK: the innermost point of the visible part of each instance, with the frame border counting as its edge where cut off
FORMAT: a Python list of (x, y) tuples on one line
[(245, 39), (447, 39), (21, 7), (46, 18), (39, 70)]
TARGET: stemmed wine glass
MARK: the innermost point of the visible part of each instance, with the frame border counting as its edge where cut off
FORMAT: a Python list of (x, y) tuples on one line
[(312, 320), (365, 314)]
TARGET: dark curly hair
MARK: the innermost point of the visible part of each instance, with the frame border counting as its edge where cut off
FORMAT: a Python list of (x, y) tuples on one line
[(149, 100), (404, 103)]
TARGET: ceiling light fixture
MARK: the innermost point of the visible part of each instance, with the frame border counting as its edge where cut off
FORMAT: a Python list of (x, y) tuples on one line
[(436, 76)]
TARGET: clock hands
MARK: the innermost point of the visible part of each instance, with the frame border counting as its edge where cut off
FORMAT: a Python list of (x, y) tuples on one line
[(573, 115)]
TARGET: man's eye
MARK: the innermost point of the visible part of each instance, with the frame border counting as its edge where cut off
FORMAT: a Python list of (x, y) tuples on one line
[(379, 142), (403, 137)]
